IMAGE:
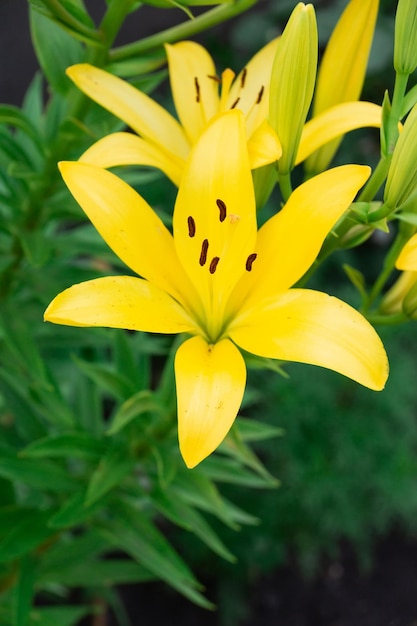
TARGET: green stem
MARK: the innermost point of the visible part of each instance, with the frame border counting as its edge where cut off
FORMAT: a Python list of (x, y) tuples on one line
[(285, 185), (207, 20), (376, 181), (387, 320), (388, 266)]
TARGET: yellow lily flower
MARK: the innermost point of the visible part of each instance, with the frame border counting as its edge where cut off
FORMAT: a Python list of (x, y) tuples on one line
[(164, 142), (220, 280), (343, 67)]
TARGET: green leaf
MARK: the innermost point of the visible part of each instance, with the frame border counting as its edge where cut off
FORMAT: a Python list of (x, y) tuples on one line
[(198, 490), (12, 116), (73, 512), (25, 535), (76, 444), (188, 518), (44, 475), (24, 591), (60, 615), (234, 445), (138, 404), (113, 467), (69, 551), (252, 430), (98, 574), (56, 50), (404, 216), (134, 534), (109, 380), (356, 278), (230, 471)]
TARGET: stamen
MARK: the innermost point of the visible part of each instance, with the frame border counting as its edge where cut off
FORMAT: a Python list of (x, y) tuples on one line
[(243, 77), (222, 209), (260, 94), (197, 89), (235, 103), (203, 255), (191, 226), (213, 264), (250, 260), (215, 78)]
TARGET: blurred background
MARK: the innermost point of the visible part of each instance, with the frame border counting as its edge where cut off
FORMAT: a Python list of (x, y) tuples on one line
[(336, 543)]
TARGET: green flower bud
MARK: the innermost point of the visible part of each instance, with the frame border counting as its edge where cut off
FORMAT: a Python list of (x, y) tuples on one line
[(410, 301), (405, 42), (402, 176), (292, 81)]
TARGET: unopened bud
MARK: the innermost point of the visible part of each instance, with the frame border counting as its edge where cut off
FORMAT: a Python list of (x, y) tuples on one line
[(405, 42), (292, 81)]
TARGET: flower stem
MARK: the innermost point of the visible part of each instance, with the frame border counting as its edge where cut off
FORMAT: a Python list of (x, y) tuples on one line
[(207, 20)]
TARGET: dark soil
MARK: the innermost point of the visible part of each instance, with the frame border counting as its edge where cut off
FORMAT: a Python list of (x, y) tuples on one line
[(340, 595)]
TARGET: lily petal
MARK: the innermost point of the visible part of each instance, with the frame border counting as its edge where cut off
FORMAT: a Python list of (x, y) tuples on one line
[(128, 225), (312, 327), (119, 302), (128, 149), (337, 121), (210, 383), (214, 215), (263, 146), (132, 106), (407, 259), (194, 86), (290, 241), (251, 87)]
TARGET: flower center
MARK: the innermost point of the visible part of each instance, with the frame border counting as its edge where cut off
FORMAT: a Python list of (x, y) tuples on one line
[(214, 323)]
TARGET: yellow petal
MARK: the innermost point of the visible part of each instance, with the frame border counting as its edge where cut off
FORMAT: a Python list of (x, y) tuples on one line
[(210, 383), (216, 197), (336, 121), (312, 327), (263, 146), (128, 225), (129, 149), (343, 67), (251, 87), (119, 302), (290, 241), (194, 86), (407, 259), (132, 106)]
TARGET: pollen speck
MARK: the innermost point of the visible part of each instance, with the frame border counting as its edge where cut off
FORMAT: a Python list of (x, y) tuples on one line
[(191, 226), (222, 209), (233, 219), (213, 264)]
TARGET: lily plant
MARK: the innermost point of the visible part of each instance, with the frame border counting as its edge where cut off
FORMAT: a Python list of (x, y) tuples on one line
[(228, 287)]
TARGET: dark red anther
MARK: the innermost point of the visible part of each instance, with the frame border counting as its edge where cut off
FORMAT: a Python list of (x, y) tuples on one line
[(222, 209), (204, 249), (250, 260)]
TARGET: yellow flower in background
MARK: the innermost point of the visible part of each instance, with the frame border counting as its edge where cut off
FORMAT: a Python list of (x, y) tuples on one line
[(407, 259), (220, 280), (198, 93), (343, 67)]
